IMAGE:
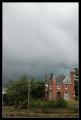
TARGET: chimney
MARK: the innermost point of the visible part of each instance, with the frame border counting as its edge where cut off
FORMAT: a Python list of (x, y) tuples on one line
[(72, 76), (46, 78)]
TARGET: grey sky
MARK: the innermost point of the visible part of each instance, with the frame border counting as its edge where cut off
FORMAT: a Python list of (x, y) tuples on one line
[(39, 38)]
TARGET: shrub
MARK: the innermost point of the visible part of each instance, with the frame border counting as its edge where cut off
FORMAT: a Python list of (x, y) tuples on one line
[(76, 98), (50, 104), (73, 107), (61, 103), (8, 99), (5, 99), (22, 105), (37, 103), (76, 110)]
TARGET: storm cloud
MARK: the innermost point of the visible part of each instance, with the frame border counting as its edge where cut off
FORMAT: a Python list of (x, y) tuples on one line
[(39, 38)]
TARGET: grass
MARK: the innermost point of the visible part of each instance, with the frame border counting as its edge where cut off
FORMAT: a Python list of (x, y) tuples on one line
[(24, 113), (72, 110)]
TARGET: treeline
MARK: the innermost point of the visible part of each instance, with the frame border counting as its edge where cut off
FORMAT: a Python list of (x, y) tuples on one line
[(17, 90)]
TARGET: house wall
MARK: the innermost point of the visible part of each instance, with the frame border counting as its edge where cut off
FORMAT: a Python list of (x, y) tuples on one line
[(54, 89), (52, 92), (71, 86)]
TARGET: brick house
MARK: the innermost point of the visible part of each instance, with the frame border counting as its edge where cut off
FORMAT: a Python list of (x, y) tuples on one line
[(60, 87)]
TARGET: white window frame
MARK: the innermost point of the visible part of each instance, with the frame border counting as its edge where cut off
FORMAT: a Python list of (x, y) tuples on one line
[(50, 86), (58, 86)]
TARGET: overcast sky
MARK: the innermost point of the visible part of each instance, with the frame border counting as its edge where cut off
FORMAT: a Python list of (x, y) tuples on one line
[(39, 38)]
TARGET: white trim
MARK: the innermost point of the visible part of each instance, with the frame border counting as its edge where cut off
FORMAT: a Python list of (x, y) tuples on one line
[(58, 86), (65, 80), (50, 86), (46, 85)]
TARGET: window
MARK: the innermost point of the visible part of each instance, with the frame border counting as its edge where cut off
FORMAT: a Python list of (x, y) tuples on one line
[(58, 86), (46, 85), (66, 86), (50, 95), (46, 89), (50, 86), (66, 95)]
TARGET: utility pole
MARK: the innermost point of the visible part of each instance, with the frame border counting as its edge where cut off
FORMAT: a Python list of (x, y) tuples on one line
[(28, 94)]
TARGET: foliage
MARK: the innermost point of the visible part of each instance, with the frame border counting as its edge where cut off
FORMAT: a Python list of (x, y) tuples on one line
[(61, 103), (22, 105), (57, 103), (17, 90), (76, 89), (76, 83), (36, 103), (73, 106), (49, 104), (76, 71), (38, 90)]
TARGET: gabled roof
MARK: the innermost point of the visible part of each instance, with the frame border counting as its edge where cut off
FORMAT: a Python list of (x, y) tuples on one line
[(67, 80), (60, 78), (51, 76)]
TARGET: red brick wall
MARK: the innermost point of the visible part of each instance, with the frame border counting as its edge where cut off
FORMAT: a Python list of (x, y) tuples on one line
[(71, 86), (54, 89), (62, 90), (62, 87)]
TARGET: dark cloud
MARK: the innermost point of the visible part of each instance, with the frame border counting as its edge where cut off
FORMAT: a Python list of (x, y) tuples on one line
[(39, 38)]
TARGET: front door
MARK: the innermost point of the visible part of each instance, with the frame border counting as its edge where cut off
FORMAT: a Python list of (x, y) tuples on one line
[(58, 95)]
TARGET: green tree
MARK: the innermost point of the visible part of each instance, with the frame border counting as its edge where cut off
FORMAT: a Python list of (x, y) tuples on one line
[(17, 90), (76, 83), (38, 89), (76, 89), (76, 71)]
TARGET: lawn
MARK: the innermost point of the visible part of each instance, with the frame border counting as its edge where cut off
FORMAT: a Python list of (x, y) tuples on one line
[(72, 111), (11, 112)]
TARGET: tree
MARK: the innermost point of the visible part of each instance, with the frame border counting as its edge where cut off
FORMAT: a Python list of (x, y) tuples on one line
[(38, 90), (76, 71), (76, 83), (17, 90), (76, 89)]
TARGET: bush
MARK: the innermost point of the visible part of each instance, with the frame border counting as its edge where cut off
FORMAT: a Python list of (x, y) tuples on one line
[(50, 104), (61, 103), (8, 99), (37, 103), (76, 98), (5, 99), (73, 107), (21, 105)]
